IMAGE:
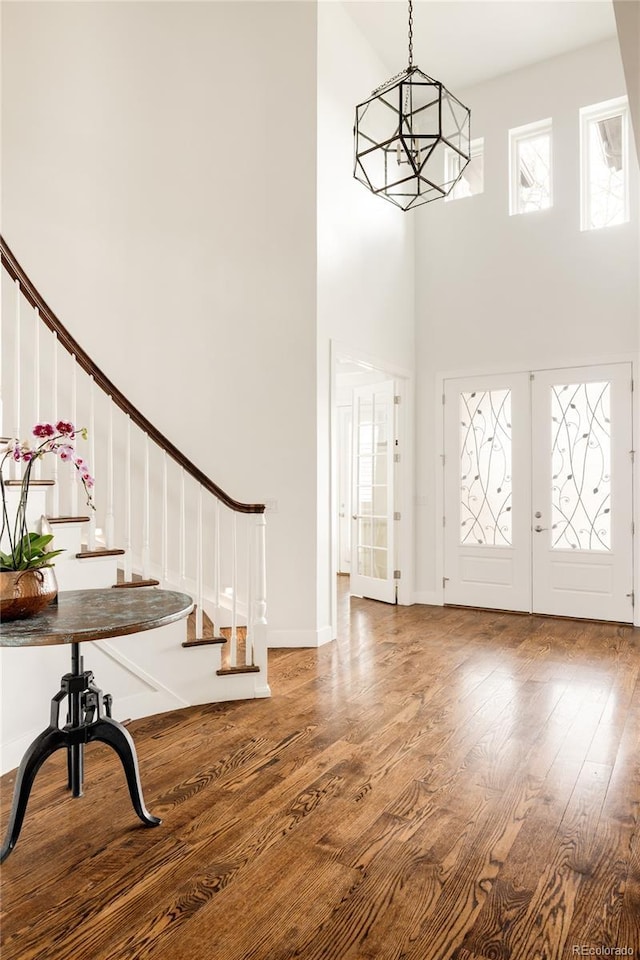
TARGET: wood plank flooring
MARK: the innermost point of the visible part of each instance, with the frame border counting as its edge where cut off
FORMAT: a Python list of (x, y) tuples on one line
[(437, 784)]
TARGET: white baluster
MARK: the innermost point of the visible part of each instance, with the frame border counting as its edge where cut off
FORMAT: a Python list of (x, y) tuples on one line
[(74, 414), (183, 532), (92, 457), (16, 373), (165, 521), (146, 525), (233, 653), (36, 380), (248, 653), (128, 565), (54, 410), (109, 523), (200, 563), (216, 557)]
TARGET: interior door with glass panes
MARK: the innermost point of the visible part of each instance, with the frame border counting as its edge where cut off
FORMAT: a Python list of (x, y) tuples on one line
[(487, 492), (582, 535), (372, 531)]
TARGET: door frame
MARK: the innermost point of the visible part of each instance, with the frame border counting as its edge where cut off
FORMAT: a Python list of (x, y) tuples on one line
[(339, 352), (519, 367)]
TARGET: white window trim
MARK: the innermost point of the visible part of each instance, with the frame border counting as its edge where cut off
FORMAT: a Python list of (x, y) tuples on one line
[(516, 134), (619, 106), (476, 149)]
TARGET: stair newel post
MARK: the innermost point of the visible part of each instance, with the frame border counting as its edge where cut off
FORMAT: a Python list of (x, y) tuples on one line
[(17, 373), (233, 653), (146, 525), (183, 531), (200, 563), (54, 407), (110, 516), (165, 521), (36, 379), (127, 506), (92, 456), (260, 603), (74, 420)]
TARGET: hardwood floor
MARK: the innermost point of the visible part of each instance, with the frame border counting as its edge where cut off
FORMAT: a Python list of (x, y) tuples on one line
[(438, 784)]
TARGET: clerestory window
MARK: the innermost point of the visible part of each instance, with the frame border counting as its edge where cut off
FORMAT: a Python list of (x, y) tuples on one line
[(604, 152)]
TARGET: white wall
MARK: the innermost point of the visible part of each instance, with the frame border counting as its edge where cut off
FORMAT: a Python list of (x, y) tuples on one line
[(365, 245), (499, 292), (158, 185)]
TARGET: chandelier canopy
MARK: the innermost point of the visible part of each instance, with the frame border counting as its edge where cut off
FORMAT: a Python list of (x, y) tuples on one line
[(412, 137)]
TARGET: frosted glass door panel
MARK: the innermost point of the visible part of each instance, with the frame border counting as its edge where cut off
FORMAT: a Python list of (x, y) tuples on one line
[(485, 467), (486, 481), (581, 466)]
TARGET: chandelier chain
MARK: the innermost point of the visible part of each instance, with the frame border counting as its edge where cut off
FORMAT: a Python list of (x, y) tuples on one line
[(410, 34)]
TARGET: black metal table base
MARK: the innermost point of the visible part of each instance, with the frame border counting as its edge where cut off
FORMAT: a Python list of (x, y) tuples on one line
[(85, 723)]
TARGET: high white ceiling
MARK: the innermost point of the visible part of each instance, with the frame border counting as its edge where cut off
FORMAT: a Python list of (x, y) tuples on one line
[(462, 42)]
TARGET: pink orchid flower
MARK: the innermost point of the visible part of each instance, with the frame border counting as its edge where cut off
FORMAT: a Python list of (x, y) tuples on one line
[(66, 428), (44, 430)]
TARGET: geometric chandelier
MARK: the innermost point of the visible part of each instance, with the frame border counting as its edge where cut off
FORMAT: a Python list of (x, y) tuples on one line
[(412, 137)]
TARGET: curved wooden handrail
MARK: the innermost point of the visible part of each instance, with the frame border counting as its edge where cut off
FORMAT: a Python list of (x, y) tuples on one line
[(71, 345)]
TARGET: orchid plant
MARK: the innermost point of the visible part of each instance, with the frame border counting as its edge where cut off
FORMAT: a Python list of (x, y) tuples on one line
[(28, 550)]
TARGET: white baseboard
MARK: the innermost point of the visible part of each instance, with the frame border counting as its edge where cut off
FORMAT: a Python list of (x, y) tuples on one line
[(300, 638), (429, 597)]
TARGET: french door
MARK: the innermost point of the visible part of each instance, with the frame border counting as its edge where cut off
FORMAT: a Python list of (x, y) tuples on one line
[(538, 492), (372, 502)]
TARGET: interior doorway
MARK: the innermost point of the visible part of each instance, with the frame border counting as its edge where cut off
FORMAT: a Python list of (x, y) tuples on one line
[(538, 492), (372, 516)]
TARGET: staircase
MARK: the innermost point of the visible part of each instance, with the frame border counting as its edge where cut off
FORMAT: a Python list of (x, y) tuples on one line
[(159, 521)]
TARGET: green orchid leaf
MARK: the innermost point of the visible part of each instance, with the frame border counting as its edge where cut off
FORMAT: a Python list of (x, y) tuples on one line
[(38, 543)]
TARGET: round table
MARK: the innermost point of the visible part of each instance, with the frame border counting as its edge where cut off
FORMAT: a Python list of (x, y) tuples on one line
[(77, 616)]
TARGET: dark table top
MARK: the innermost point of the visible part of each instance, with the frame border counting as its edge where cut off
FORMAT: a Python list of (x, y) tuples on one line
[(97, 615)]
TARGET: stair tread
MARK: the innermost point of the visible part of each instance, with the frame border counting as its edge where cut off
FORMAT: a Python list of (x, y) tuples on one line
[(32, 483), (135, 583), (228, 671), (203, 642), (68, 519), (86, 554)]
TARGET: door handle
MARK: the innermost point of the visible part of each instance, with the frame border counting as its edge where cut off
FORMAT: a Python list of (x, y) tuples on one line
[(539, 529), (354, 516)]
